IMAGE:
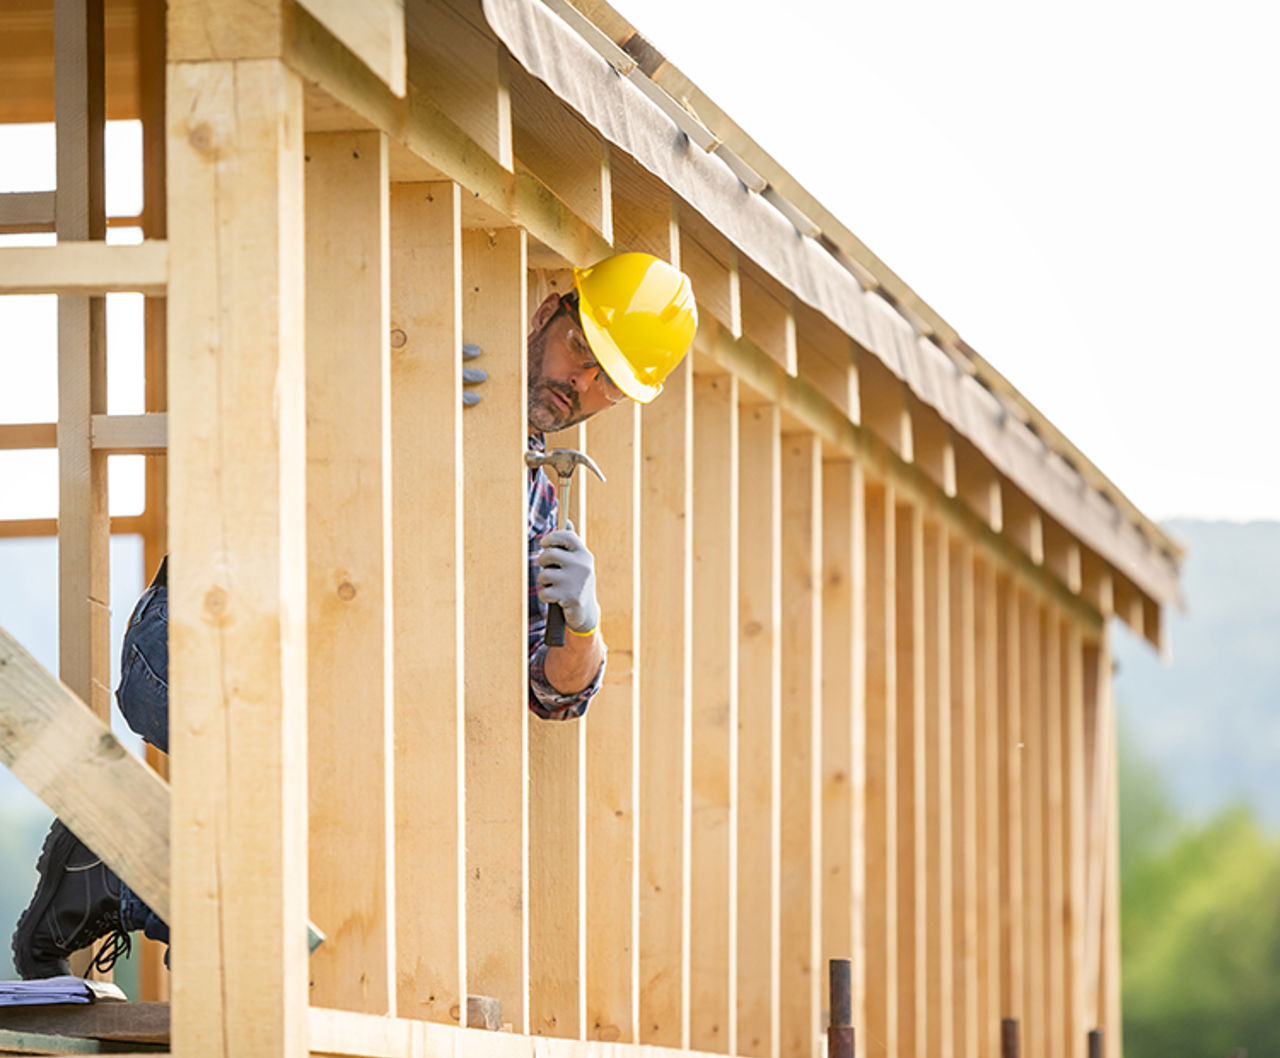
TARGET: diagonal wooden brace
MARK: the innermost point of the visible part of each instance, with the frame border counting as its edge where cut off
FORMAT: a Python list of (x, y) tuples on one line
[(70, 759)]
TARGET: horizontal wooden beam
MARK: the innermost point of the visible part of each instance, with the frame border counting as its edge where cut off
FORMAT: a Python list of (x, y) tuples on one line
[(117, 434), (70, 759), (118, 1022), (418, 124), (26, 211), (131, 434), (372, 30), (85, 268), (35, 527)]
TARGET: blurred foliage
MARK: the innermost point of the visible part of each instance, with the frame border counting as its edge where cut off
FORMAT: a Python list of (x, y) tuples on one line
[(1200, 926)]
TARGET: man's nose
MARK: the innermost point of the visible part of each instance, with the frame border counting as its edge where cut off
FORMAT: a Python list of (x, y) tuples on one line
[(582, 378)]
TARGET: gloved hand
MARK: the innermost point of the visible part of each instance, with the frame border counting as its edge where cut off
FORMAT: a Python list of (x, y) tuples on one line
[(568, 577), (471, 376)]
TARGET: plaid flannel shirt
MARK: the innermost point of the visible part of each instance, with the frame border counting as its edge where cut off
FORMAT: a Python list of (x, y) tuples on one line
[(544, 699)]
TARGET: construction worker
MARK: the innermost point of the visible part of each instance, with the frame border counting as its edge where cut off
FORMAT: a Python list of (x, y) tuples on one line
[(625, 325)]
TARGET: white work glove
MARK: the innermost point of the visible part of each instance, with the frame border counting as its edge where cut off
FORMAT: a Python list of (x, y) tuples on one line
[(568, 577)]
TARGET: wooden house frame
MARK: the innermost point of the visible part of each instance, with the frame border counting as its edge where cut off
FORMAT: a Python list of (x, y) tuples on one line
[(856, 588)]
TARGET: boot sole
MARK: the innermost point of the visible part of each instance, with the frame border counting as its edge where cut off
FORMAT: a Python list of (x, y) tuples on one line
[(58, 845)]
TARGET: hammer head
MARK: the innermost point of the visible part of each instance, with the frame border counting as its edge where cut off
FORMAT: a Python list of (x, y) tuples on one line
[(562, 461)]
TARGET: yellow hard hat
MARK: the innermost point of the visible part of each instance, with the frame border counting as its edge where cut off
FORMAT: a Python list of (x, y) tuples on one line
[(638, 315)]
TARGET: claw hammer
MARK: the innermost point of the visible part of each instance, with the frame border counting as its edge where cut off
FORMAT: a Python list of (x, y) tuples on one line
[(563, 461)]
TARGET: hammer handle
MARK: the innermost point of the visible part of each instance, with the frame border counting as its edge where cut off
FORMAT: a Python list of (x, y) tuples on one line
[(555, 625)]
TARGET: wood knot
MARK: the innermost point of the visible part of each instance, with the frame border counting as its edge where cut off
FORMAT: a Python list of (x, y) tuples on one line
[(398, 338), (201, 138), (346, 591), (215, 602)]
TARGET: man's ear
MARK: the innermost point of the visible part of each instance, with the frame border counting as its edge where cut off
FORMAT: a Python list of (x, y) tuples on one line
[(544, 312)]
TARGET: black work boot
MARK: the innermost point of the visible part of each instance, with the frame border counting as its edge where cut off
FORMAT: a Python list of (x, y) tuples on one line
[(77, 900)]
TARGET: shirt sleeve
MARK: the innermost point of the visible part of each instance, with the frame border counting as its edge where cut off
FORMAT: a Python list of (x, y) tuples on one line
[(544, 700)]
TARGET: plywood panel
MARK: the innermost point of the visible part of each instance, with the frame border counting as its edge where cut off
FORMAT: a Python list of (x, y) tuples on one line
[(801, 741), (843, 723), (759, 724), (427, 552), (348, 573), (713, 871), (237, 582), (494, 435), (911, 646), (665, 707), (612, 728), (939, 991), (881, 768)]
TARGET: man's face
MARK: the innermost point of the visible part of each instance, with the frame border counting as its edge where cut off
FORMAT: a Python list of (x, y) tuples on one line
[(566, 383)]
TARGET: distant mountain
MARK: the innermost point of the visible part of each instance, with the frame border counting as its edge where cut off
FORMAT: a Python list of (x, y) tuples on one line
[(1209, 721)]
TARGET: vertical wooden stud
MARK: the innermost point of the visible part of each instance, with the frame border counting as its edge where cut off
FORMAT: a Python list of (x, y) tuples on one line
[(666, 431), (611, 733), (1009, 648), (964, 798), (494, 436), (759, 724), (844, 723), (84, 616), (801, 978), (911, 647), (427, 556), (1073, 825), (713, 871), (1097, 671), (348, 568), (237, 587), (882, 782), (1031, 759), (555, 791), (939, 990), (989, 766), (1054, 866)]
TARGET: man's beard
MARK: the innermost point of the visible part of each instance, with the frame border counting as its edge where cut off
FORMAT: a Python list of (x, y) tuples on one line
[(546, 415)]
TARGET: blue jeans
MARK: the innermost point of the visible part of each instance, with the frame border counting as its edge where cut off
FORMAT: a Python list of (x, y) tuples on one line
[(143, 697)]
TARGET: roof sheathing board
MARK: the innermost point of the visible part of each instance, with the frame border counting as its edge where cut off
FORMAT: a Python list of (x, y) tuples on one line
[(554, 53)]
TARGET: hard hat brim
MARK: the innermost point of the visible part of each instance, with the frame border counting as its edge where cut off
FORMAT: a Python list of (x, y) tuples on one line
[(610, 356)]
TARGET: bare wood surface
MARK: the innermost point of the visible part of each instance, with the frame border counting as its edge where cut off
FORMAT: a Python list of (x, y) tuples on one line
[(911, 645), (138, 434), (1012, 952), (988, 764), (26, 211), (495, 433), (237, 583), (843, 751), (20, 435), (612, 734), (882, 785), (713, 871), (81, 269), (348, 576), (759, 712), (372, 30), (940, 890), (1035, 1001), (119, 1022), (427, 553), (964, 798), (666, 432), (801, 786), (1055, 866), (69, 759), (1074, 824)]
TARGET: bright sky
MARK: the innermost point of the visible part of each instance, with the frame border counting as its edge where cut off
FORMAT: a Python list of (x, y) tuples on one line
[(1089, 193)]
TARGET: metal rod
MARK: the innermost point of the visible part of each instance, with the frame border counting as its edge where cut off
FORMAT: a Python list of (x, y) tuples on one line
[(840, 1041), (1095, 1043), (1009, 1038)]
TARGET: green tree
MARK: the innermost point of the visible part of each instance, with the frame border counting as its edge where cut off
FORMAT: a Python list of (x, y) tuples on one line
[(1200, 927)]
